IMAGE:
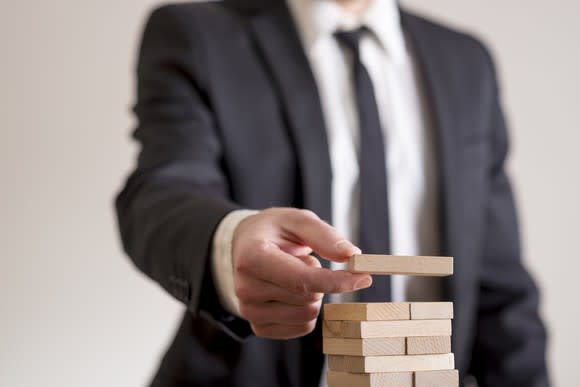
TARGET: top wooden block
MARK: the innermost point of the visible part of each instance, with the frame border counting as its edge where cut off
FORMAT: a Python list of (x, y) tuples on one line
[(404, 265)]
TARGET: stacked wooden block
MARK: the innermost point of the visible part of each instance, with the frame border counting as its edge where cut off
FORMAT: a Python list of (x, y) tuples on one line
[(404, 344)]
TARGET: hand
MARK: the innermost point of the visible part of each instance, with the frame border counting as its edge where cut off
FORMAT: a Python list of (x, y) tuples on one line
[(279, 283)]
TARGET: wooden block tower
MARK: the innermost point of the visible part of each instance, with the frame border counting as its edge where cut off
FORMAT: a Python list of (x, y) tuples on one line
[(391, 344)]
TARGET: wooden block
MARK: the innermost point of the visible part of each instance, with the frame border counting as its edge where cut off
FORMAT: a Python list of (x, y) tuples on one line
[(369, 329), (381, 311), (428, 345), (443, 378), (431, 310), (393, 264), (365, 347), (381, 379), (370, 364)]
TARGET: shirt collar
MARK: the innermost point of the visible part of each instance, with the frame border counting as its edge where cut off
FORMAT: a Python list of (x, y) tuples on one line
[(316, 19)]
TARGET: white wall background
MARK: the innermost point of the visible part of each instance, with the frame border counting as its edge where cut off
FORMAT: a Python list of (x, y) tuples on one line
[(73, 312)]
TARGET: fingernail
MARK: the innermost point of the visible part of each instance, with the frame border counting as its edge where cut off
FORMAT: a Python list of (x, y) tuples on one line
[(363, 283), (345, 246)]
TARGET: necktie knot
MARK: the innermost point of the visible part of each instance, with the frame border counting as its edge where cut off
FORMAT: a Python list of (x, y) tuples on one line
[(351, 38)]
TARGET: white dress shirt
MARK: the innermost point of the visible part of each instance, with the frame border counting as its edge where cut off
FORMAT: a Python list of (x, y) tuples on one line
[(409, 139)]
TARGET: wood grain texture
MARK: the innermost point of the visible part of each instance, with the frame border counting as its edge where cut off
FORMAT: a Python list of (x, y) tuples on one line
[(371, 364), (428, 345), (442, 378), (373, 311), (365, 347), (406, 265), (431, 310), (369, 329), (382, 379)]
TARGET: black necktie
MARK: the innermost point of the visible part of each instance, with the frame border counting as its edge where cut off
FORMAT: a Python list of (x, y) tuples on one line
[(374, 209)]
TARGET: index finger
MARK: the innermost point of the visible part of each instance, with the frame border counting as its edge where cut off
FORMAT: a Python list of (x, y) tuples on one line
[(293, 274), (308, 229)]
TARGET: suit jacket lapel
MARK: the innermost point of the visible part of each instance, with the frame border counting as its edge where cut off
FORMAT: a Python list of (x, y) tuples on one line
[(279, 44), (458, 191), (434, 80), (283, 55)]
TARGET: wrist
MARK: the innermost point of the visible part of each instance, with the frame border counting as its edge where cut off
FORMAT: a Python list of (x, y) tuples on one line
[(222, 259)]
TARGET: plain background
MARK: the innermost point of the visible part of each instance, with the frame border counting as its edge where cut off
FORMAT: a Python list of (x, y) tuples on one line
[(74, 312)]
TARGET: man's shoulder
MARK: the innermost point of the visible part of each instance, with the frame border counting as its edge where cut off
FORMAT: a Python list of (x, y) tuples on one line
[(198, 13), (207, 8), (447, 41), (447, 37)]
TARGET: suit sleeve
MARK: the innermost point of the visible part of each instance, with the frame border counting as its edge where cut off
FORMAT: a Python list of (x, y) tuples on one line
[(178, 193), (510, 345)]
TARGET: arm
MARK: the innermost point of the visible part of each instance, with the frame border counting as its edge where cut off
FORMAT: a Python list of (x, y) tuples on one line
[(174, 201), (177, 195), (510, 345)]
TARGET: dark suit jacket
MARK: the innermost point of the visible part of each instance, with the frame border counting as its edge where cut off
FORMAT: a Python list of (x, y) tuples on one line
[(229, 117)]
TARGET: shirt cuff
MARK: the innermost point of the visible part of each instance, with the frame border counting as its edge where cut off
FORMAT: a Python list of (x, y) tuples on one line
[(222, 264)]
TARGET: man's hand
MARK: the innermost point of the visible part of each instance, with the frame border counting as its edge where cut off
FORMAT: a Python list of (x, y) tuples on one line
[(279, 283)]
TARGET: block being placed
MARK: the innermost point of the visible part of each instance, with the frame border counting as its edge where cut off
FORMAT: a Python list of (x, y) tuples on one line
[(406, 265), (369, 329), (428, 345), (383, 379), (371, 364), (373, 311), (442, 378), (431, 310), (365, 347)]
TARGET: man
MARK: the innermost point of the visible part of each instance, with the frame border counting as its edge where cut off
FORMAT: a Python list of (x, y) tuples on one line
[(374, 120)]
